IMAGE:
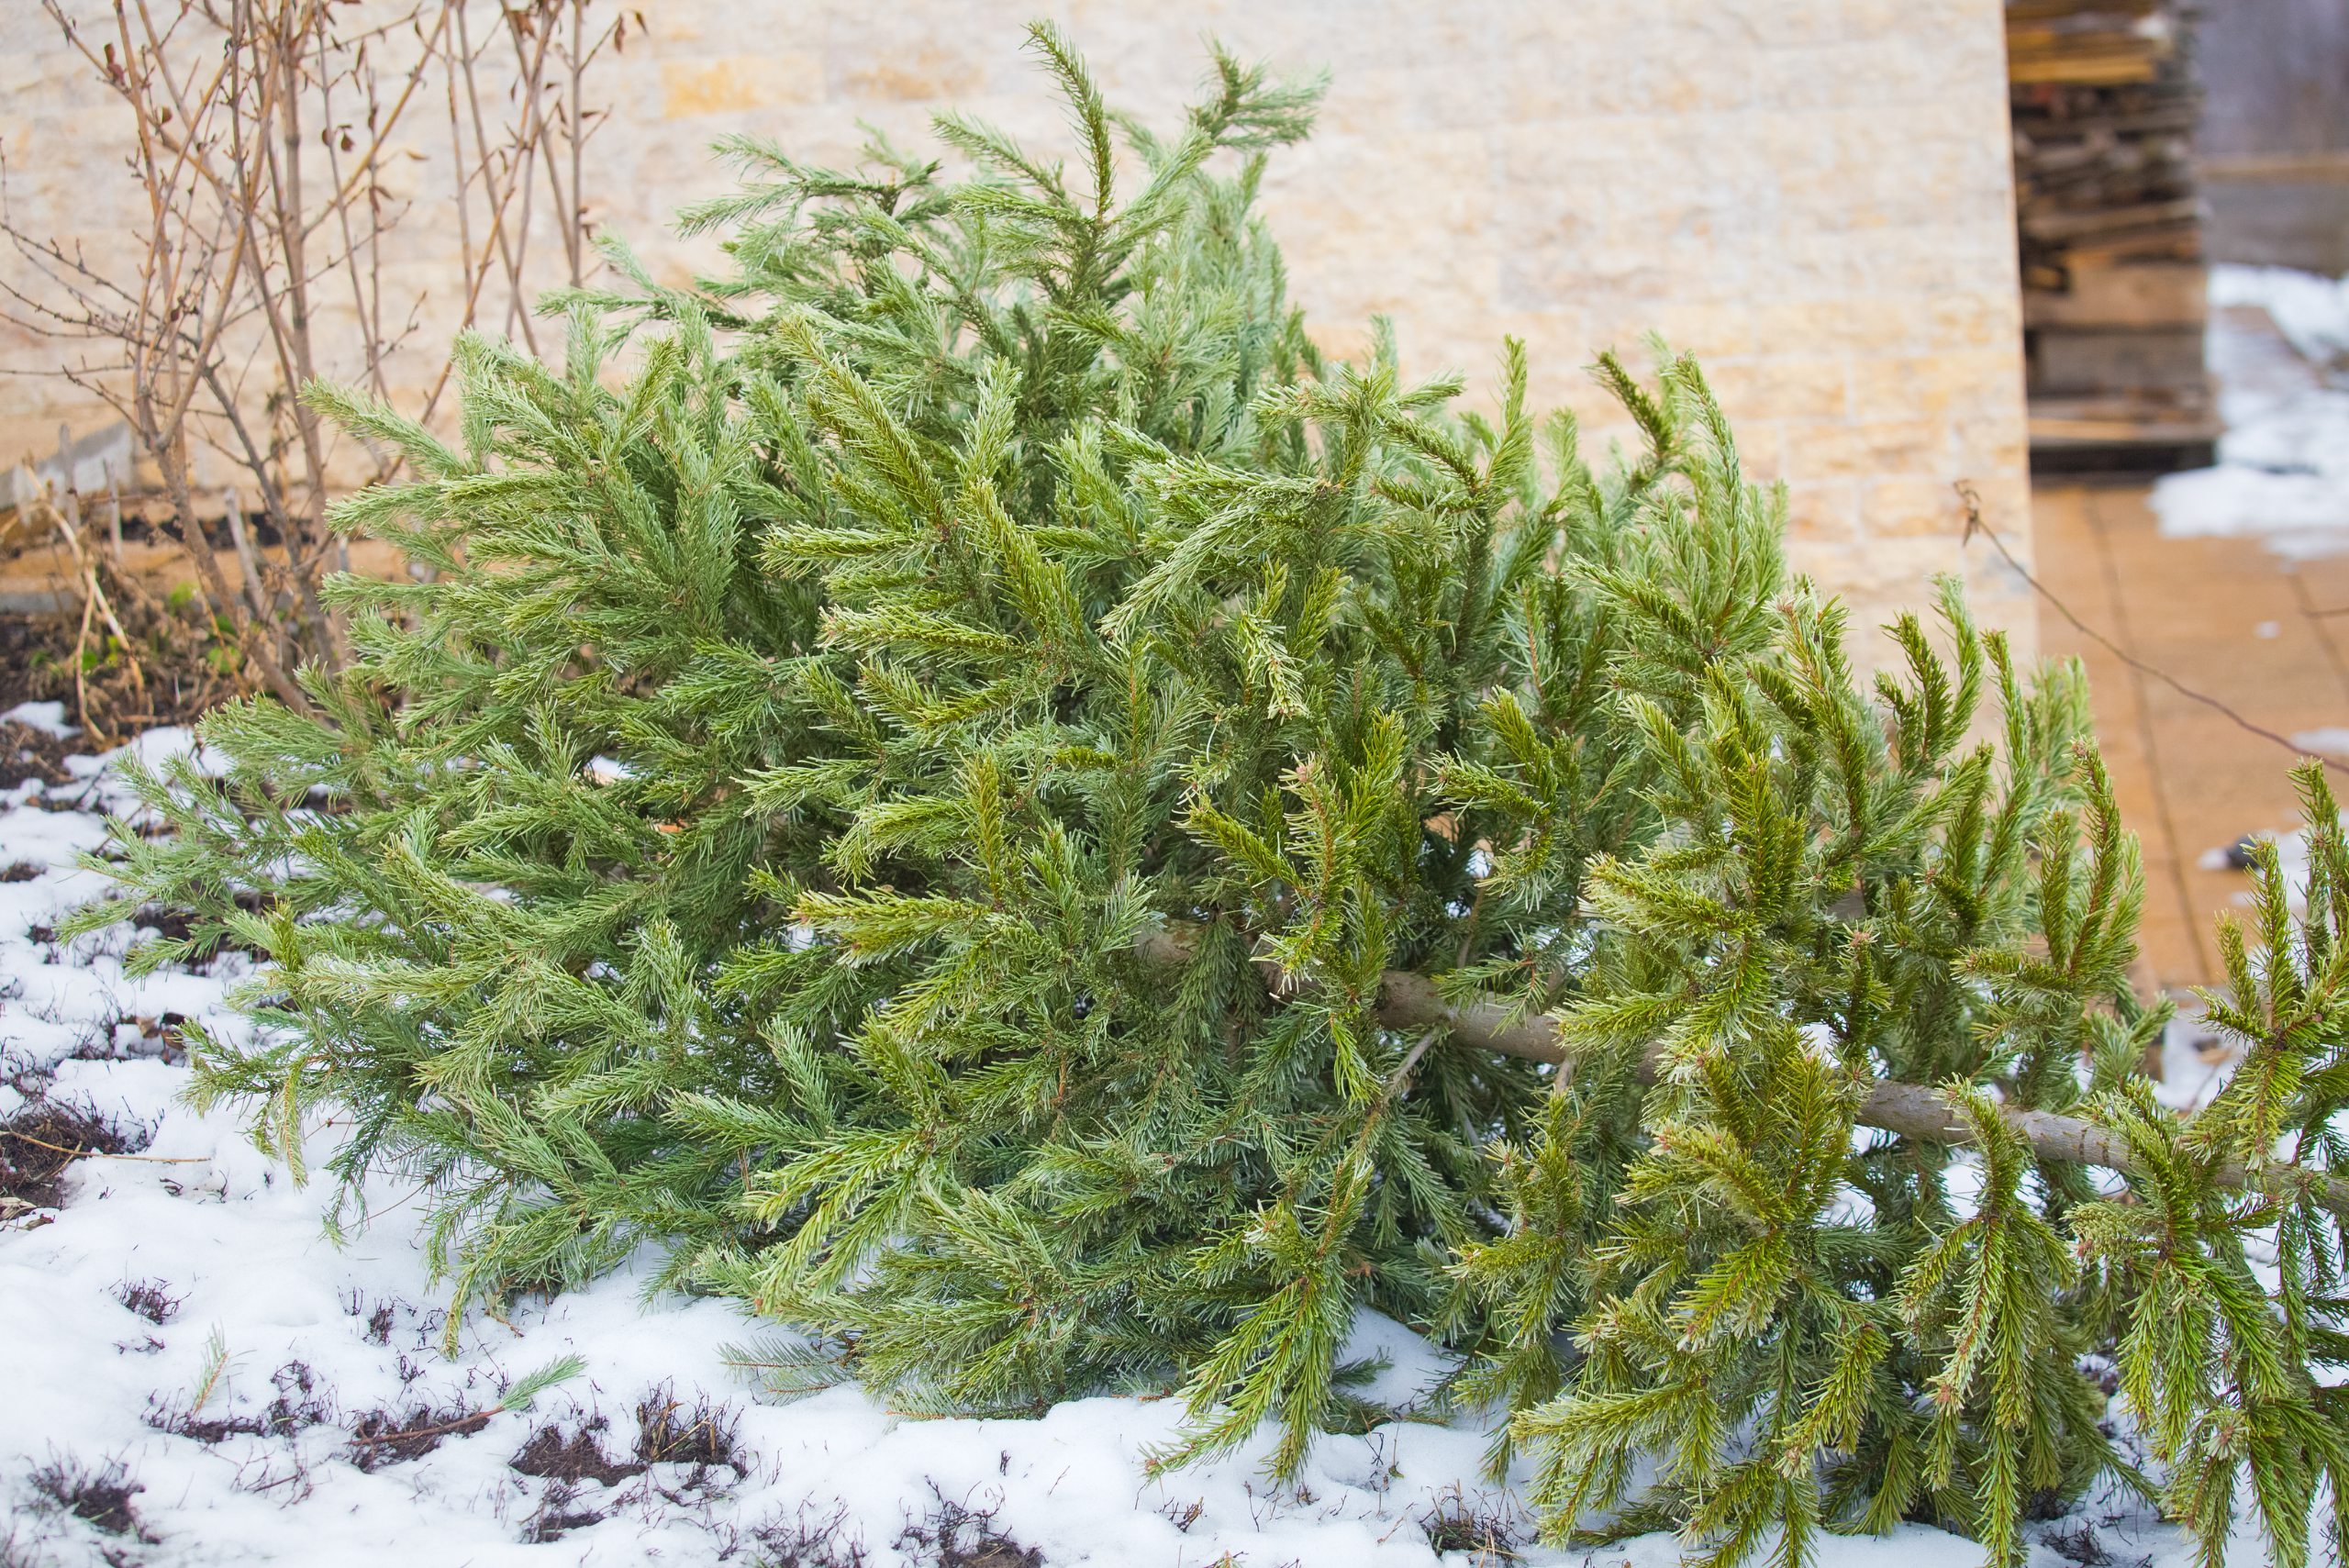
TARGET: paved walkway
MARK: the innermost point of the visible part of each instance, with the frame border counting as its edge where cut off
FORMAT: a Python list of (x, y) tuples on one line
[(2227, 619)]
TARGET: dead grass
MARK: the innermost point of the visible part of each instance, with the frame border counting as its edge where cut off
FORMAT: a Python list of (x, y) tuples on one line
[(379, 1325), (702, 1435), (555, 1515), (301, 1403), (29, 753), (185, 667), (823, 1542), (380, 1438), (152, 1299), (955, 1535), (99, 1497), (1457, 1524), (39, 1143)]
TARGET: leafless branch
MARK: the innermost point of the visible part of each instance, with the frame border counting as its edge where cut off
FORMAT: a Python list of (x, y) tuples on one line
[(261, 134)]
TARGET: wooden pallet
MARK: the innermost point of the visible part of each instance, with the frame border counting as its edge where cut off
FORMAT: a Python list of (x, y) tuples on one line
[(2110, 229), (2128, 434)]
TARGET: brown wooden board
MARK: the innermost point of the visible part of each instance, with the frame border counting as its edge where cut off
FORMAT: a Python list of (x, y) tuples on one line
[(2090, 359), (2130, 294)]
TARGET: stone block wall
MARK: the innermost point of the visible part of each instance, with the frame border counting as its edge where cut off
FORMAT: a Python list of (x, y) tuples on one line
[(1812, 195)]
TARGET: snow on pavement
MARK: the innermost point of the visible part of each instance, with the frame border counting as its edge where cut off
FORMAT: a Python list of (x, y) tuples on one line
[(314, 1339), (2283, 469)]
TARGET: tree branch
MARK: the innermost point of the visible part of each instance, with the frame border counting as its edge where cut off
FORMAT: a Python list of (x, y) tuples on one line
[(1409, 1003)]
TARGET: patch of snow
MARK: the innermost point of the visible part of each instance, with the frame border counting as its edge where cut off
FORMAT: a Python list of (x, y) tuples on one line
[(2283, 469), (2196, 1062), (2332, 740), (157, 746), (317, 1335), (2302, 516), (1413, 1367), (2311, 310), (2292, 847), (48, 718)]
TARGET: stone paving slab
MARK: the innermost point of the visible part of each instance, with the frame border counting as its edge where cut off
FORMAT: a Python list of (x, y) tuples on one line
[(2226, 618)]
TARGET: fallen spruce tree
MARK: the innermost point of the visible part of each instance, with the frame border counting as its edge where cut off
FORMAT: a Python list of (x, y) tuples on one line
[(1046, 837)]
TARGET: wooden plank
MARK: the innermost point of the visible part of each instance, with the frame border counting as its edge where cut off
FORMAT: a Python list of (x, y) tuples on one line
[(2029, 11), (2174, 241), (2178, 417), (2045, 127), (2119, 432), (2144, 294), (2081, 360), (2060, 226), (2113, 70)]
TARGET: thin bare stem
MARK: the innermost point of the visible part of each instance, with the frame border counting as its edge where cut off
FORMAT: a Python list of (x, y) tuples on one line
[(213, 312)]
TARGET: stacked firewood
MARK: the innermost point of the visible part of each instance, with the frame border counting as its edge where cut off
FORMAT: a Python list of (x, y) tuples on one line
[(2104, 103)]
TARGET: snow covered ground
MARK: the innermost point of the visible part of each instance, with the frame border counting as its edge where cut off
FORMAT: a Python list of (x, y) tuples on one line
[(192, 1373), (2283, 469)]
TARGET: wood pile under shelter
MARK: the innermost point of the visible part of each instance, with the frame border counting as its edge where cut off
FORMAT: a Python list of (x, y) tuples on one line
[(2104, 101)]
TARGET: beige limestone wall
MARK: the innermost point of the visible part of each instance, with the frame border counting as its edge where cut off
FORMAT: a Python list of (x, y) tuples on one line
[(1812, 195)]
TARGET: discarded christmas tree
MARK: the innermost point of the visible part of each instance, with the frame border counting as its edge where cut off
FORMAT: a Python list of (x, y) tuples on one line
[(1046, 837)]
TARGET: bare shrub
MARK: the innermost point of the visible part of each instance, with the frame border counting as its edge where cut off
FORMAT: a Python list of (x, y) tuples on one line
[(264, 136)]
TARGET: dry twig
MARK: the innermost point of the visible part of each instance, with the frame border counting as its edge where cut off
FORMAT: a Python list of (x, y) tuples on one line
[(261, 130)]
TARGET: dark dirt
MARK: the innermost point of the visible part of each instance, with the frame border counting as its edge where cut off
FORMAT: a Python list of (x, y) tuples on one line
[(378, 1439), (100, 1498), (581, 1458), (29, 753), (41, 1143)]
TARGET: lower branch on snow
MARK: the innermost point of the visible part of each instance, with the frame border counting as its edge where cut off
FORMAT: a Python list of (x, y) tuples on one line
[(1410, 1002)]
